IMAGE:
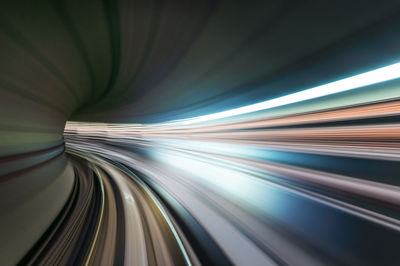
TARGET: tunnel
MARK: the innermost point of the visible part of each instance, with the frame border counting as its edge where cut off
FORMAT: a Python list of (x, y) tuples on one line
[(199, 132)]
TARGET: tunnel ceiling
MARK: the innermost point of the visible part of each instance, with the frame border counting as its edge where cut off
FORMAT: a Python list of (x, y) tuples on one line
[(147, 61)]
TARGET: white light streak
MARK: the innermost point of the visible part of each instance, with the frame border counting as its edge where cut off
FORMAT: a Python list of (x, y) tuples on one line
[(358, 81)]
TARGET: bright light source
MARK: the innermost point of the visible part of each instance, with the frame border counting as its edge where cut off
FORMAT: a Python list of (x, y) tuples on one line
[(365, 79)]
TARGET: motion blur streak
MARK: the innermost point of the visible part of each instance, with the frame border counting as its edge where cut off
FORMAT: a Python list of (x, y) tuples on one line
[(281, 186), (372, 77), (209, 132)]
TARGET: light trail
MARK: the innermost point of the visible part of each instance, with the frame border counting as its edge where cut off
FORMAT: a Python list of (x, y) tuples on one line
[(372, 77), (244, 180)]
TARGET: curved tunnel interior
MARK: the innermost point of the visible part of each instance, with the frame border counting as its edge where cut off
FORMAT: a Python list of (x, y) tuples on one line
[(312, 181)]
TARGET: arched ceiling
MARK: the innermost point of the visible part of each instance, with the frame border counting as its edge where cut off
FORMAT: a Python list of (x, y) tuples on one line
[(147, 61)]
